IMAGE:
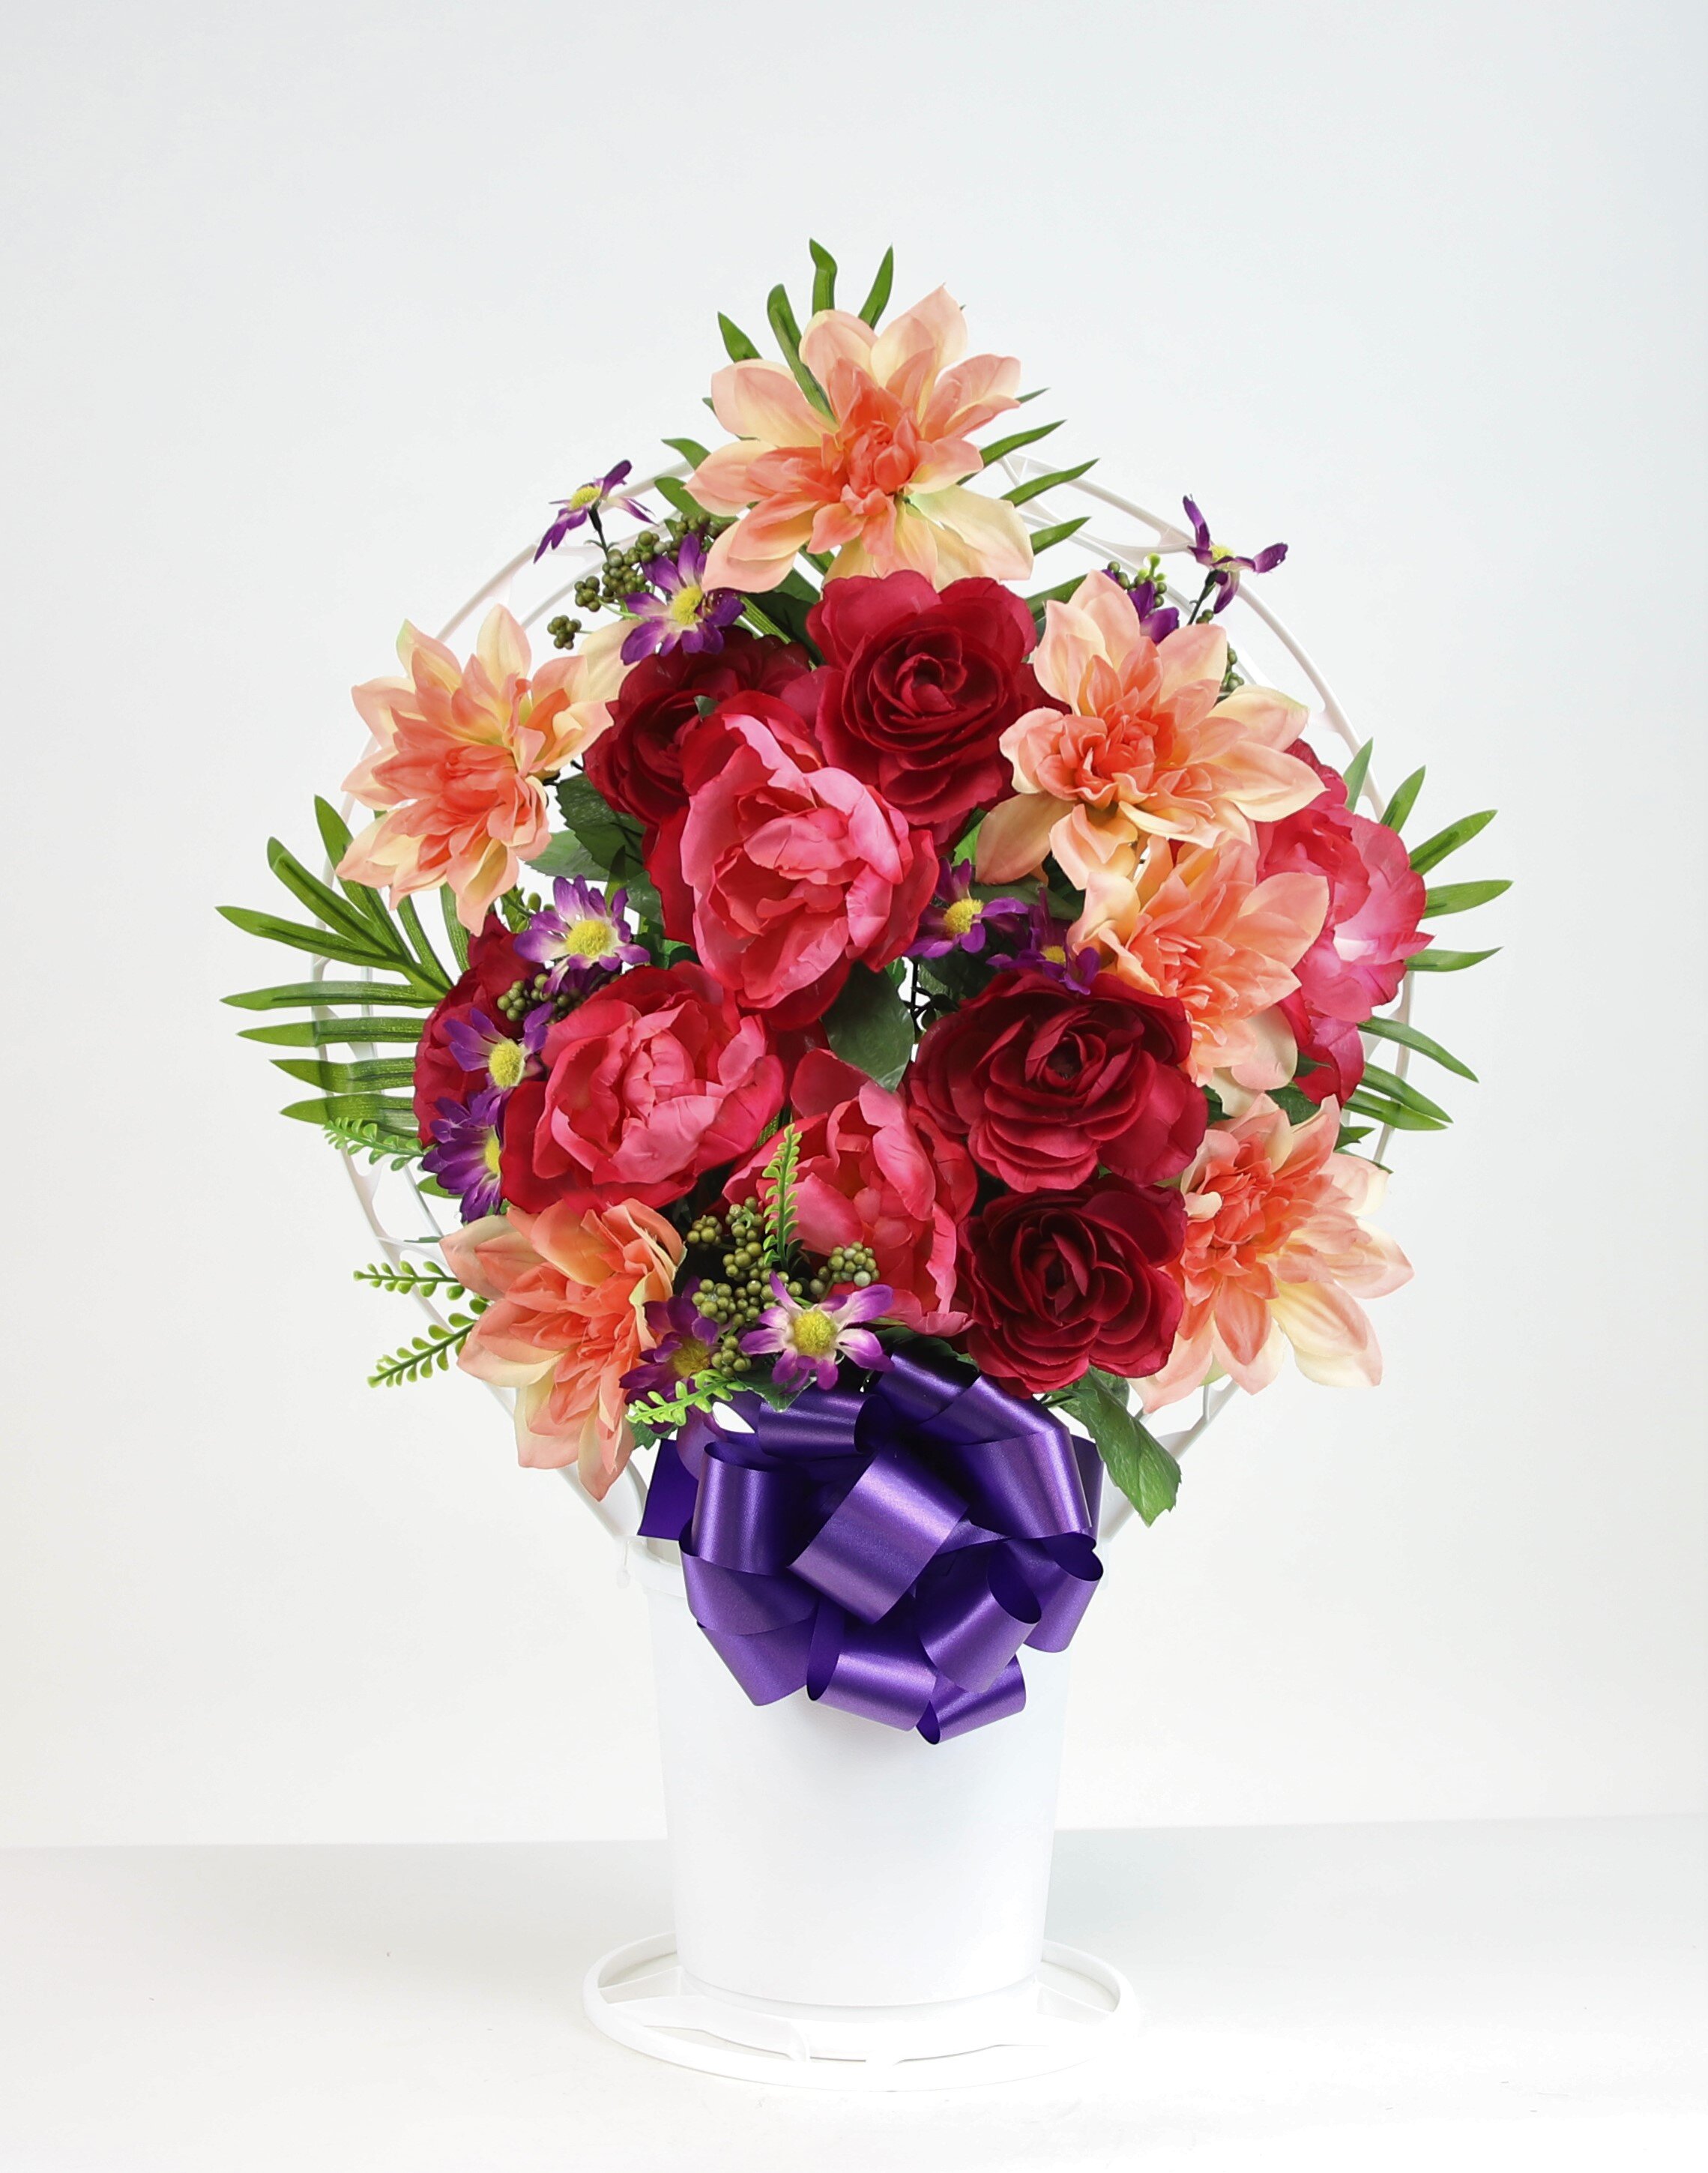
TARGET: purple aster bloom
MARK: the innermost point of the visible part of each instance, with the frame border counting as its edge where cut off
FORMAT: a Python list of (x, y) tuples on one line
[(477, 1045), (585, 503), (464, 1155), (1225, 566), (685, 614), (580, 935), (955, 920), (1046, 952), (687, 1341), (808, 1340)]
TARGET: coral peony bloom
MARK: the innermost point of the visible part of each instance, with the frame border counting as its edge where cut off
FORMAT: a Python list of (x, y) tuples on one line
[(1198, 925), (651, 1082), (782, 871), (1278, 1251), (872, 1172), (570, 1290), (877, 479), (462, 751), (1148, 746)]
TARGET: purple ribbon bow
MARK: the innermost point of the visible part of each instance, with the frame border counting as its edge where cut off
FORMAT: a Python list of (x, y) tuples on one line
[(889, 1551)]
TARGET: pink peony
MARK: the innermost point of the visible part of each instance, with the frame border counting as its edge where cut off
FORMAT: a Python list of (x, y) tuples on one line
[(878, 479), (569, 1288), (873, 1171), (462, 750), (782, 871), (1278, 1252)]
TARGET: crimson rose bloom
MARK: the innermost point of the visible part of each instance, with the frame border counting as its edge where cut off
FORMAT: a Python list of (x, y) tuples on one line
[(494, 966), (782, 871), (919, 688), (1044, 1082), (636, 760), (1057, 1281), (654, 1081)]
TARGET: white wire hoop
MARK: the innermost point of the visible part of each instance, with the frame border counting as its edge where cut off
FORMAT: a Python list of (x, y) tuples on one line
[(1263, 642)]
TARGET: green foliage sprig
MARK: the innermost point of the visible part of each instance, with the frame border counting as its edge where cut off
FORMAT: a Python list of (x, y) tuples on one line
[(427, 1354)]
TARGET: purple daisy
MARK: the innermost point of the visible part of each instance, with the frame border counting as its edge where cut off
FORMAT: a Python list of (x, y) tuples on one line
[(955, 920), (586, 503), (808, 1340), (685, 614), (686, 1342), (476, 1043), (464, 1156), (1046, 952), (1225, 566), (581, 934)]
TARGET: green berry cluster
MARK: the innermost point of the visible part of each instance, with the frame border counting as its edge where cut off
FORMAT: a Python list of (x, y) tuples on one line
[(563, 631), (522, 997), (623, 574), (848, 1264)]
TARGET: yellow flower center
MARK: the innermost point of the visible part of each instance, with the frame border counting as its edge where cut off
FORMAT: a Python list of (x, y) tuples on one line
[(690, 1357), (506, 1063), (958, 918), (490, 1154), (815, 1332), (589, 494), (589, 939), (1055, 953), (684, 606)]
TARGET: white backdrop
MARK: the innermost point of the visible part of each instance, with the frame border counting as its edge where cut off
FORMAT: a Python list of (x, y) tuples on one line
[(312, 310)]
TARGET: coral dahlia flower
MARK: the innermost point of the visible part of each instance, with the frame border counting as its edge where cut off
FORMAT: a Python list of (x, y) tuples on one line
[(1147, 747), (462, 753), (878, 478), (1278, 1252)]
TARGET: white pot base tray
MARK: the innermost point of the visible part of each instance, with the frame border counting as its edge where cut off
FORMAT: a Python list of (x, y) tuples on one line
[(641, 1995)]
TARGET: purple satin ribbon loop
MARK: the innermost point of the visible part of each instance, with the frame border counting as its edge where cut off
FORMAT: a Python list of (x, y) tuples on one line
[(888, 1551)]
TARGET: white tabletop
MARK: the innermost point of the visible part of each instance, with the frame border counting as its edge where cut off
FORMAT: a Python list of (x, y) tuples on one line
[(1368, 1998)]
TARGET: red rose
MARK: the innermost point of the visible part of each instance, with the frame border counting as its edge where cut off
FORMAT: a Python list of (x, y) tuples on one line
[(782, 871), (636, 762), (494, 967), (871, 1172), (1044, 1083), (919, 689), (654, 1081), (1057, 1281)]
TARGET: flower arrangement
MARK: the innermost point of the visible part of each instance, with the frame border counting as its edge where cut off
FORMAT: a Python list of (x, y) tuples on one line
[(856, 956)]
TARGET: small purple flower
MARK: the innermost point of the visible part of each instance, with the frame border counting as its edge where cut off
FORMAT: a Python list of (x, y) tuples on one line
[(808, 1340), (580, 935), (585, 503), (955, 920), (477, 1045), (686, 1342), (464, 1156), (1046, 952), (1225, 566), (685, 614), (1158, 618)]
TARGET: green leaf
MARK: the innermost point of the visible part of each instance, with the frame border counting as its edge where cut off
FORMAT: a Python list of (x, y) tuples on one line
[(431, 969), (736, 344), (335, 836), (300, 995), (1390, 1087), (318, 1034), (332, 1078), (1137, 1462), (455, 934), (566, 855), (1449, 840), (1005, 446), (1394, 814), (1024, 492), (1394, 1114), (1043, 538), (877, 301), (319, 942), (1435, 961), (1387, 1029), (691, 450), (871, 1026), (611, 840), (677, 494), (1460, 897), (387, 1111), (325, 904), (1349, 1135), (1356, 771), (823, 278), (786, 613), (781, 316)]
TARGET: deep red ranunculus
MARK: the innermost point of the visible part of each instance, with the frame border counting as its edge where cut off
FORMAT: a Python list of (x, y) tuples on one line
[(1058, 1282), (636, 760), (1044, 1083), (654, 1081), (1376, 901), (494, 966), (919, 686)]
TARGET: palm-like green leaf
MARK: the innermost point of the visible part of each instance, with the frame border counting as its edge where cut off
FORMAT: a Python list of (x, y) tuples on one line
[(1460, 897), (1436, 849), (1400, 1030)]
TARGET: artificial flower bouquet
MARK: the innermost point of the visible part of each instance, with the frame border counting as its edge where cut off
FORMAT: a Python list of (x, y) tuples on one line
[(883, 1004)]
